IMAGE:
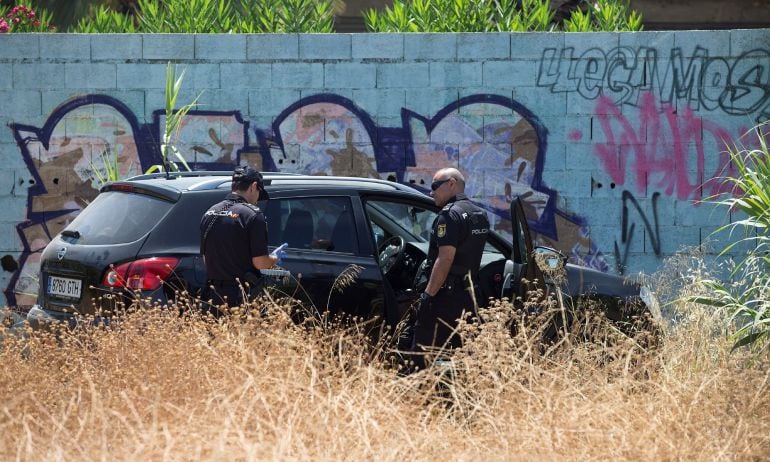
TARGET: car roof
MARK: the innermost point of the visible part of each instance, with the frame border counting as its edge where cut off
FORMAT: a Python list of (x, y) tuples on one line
[(180, 182)]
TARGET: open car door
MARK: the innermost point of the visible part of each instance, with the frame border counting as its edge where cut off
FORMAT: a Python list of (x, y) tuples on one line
[(521, 264)]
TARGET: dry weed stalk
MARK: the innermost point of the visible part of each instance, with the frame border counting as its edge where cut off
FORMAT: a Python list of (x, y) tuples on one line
[(169, 383)]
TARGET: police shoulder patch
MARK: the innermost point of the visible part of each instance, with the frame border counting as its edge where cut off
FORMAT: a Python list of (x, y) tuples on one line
[(441, 231)]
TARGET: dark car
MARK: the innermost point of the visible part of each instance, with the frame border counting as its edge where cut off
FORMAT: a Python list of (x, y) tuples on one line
[(142, 234)]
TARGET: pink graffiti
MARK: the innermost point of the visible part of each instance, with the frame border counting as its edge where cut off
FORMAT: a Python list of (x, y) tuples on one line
[(664, 150)]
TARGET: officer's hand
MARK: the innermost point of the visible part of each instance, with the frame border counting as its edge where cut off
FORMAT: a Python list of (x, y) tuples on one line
[(279, 253), (422, 303)]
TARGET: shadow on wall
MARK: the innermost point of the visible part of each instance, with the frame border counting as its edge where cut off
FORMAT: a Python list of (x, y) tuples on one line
[(498, 144)]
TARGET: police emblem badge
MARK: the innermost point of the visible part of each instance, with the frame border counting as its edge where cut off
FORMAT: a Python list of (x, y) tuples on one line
[(441, 231)]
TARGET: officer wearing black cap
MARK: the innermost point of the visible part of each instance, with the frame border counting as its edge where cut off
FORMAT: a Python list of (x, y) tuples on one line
[(234, 240), (457, 241)]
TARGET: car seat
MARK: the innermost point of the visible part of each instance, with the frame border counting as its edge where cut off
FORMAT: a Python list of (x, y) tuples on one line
[(343, 236), (299, 229)]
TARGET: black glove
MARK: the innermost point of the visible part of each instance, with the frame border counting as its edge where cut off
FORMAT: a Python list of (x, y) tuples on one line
[(422, 303)]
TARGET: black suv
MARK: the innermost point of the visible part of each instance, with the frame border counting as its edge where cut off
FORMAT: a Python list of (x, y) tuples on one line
[(142, 234)]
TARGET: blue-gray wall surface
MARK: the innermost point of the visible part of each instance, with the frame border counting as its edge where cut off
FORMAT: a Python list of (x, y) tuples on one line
[(611, 138)]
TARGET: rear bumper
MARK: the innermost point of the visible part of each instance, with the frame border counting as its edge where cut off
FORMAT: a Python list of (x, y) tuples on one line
[(39, 318)]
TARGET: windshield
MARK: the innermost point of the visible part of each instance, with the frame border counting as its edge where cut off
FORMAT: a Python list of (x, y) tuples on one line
[(117, 217)]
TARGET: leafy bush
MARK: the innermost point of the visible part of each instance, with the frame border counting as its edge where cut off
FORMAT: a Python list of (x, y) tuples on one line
[(604, 15), (747, 295), (105, 21), (215, 16), (496, 16), (22, 18)]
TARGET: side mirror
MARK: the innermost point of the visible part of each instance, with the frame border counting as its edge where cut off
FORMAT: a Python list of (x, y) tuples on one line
[(549, 260)]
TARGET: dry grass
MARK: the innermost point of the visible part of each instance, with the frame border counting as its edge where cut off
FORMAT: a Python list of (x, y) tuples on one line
[(161, 386)]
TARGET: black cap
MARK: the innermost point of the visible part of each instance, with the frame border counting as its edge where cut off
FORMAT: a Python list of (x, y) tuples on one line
[(246, 174)]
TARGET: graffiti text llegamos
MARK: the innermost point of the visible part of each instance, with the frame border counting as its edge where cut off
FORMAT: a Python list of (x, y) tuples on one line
[(737, 86)]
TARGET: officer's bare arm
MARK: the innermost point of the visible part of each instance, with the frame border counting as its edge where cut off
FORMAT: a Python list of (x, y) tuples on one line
[(263, 261), (446, 255)]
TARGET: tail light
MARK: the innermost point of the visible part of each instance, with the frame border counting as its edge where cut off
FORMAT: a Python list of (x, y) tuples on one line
[(144, 274)]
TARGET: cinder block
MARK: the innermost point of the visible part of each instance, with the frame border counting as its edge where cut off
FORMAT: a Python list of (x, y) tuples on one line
[(428, 103), (142, 76), (715, 42), (678, 238), (271, 102), (599, 211), (245, 75), (54, 98), (480, 46), (38, 76), (350, 75), (272, 47), (483, 101), (605, 238), (341, 92), (646, 264), (430, 46), (20, 46), (21, 103), (220, 46), (381, 103), (582, 103), (91, 76), (116, 46), (555, 125), (658, 40), (170, 47), (133, 99), (585, 41), (741, 41), (199, 76), (531, 45), (325, 46), (6, 76), (298, 75), (6, 134), (703, 214), (447, 74), (555, 157), (65, 46), (407, 75), (155, 101), (214, 99), (518, 73), (378, 46)]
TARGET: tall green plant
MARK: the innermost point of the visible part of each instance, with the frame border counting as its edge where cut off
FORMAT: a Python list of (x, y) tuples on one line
[(495, 15), (747, 295), (172, 123), (104, 20), (186, 16), (291, 16), (107, 169)]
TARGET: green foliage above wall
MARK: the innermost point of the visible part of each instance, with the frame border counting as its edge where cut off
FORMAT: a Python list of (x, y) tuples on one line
[(498, 16)]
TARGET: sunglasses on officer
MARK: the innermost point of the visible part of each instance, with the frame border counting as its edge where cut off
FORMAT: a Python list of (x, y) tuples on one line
[(437, 184)]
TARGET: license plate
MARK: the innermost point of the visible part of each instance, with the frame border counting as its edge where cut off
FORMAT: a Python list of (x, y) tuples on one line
[(64, 287)]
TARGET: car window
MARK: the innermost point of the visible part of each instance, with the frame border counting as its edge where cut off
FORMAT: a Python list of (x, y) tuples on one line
[(318, 223), (118, 217), (409, 219)]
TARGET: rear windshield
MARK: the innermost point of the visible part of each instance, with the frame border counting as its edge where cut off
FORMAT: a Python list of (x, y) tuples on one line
[(118, 217)]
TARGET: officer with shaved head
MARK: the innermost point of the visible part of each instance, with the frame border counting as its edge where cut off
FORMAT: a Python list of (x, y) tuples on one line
[(457, 241)]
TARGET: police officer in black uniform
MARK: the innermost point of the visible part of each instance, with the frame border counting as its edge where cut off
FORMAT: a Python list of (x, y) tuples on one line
[(456, 243), (234, 241)]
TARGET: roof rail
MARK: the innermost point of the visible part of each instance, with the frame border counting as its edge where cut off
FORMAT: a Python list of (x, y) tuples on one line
[(199, 173)]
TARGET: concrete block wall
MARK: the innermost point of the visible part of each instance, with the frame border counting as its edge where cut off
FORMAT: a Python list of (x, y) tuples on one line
[(601, 132)]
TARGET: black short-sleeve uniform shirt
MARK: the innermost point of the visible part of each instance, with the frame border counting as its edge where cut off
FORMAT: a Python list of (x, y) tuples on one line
[(462, 225), (238, 234)]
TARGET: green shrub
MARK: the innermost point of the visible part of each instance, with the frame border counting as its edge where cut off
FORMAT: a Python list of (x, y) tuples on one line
[(291, 16), (186, 16), (105, 21), (496, 15), (746, 295)]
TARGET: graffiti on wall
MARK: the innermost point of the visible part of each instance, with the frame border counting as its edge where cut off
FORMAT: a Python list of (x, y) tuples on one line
[(498, 144), (737, 86)]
